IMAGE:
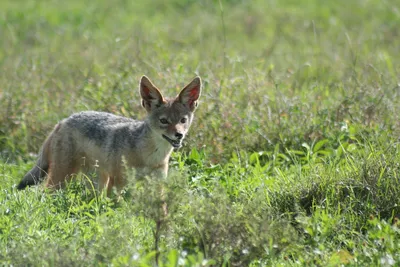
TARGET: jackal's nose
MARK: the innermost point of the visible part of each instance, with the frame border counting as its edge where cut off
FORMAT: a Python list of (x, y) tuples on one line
[(179, 136)]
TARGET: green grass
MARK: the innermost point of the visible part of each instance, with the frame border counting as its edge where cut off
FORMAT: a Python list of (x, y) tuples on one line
[(292, 160)]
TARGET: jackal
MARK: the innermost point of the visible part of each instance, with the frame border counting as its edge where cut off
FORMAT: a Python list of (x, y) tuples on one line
[(105, 144)]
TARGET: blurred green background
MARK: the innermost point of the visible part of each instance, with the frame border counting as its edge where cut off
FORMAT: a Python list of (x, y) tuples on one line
[(274, 71)]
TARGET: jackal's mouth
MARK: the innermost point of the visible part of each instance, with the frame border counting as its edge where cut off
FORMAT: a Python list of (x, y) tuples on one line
[(174, 143)]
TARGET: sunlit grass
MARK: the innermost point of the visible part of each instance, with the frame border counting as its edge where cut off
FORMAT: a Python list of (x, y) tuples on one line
[(293, 157)]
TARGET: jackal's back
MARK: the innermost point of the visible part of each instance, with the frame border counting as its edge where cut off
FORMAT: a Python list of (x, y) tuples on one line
[(99, 127)]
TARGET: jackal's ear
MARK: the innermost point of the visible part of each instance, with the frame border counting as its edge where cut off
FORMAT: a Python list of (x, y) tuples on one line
[(191, 93), (151, 96)]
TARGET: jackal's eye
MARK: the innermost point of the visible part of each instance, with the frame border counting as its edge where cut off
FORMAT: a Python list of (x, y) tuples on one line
[(163, 121), (183, 120)]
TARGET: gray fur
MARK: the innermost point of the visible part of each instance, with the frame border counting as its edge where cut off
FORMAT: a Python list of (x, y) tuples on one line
[(97, 126)]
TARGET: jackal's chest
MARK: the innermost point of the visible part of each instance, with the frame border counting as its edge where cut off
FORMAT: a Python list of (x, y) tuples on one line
[(149, 158)]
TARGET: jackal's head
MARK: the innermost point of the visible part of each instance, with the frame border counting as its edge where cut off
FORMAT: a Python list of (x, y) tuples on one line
[(170, 118)]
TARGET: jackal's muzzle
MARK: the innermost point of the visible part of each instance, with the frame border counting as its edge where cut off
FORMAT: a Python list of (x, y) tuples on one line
[(175, 143)]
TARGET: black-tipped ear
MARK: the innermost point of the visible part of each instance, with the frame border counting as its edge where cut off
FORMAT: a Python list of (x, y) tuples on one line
[(191, 93), (151, 96)]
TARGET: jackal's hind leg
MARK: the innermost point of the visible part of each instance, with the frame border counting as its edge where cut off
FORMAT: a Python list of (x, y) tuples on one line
[(106, 182), (61, 172)]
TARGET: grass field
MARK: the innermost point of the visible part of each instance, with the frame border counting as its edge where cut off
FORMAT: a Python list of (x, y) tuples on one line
[(292, 160)]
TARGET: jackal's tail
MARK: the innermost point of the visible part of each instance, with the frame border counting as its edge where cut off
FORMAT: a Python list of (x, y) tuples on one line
[(39, 171)]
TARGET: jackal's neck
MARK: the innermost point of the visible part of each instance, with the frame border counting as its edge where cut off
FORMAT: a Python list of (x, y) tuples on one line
[(155, 145)]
